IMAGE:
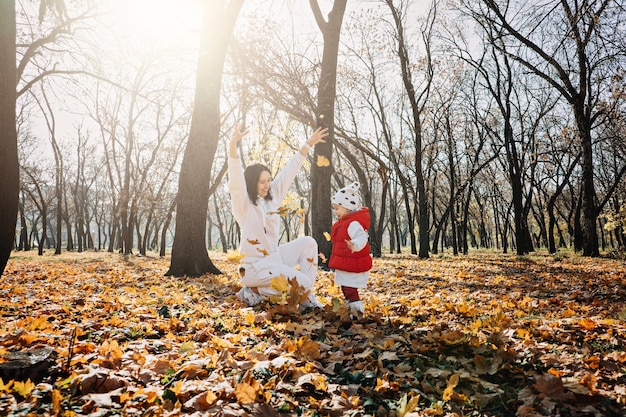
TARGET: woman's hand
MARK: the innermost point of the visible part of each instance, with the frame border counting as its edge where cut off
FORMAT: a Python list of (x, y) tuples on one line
[(238, 134), (317, 136)]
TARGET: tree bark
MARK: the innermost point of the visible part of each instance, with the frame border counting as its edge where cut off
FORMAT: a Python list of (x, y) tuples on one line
[(9, 164), (321, 214), (189, 252)]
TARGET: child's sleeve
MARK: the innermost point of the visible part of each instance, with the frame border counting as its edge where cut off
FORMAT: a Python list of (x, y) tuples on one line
[(358, 235)]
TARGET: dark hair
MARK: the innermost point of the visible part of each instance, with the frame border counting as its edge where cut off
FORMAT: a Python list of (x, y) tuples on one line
[(252, 173)]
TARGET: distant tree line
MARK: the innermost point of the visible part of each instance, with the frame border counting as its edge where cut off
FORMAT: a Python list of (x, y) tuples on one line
[(490, 124)]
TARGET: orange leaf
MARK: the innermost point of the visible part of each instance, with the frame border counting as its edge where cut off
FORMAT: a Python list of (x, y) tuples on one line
[(309, 348), (56, 401), (453, 381), (587, 324), (245, 393)]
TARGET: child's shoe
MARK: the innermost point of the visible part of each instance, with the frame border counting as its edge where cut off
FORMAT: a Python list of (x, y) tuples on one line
[(356, 308)]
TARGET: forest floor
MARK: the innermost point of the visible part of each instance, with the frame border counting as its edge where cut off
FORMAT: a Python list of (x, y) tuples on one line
[(487, 334)]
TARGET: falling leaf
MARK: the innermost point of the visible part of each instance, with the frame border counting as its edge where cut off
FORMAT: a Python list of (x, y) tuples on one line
[(280, 284), (322, 257), (253, 241), (322, 161), (327, 236), (263, 251), (234, 256)]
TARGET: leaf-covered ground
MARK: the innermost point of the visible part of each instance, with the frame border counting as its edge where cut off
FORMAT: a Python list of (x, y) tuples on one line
[(483, 335)]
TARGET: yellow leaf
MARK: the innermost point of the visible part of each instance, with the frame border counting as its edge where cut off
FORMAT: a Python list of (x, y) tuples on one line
[(210, 398), (407, 404), (327, 236), (280, 283), (447, 393), (178, 387), (322, 161), (476, 325), (23, 388), (322, 257), (249, 317), (187, 347), (253, 242), (234, 256), (5, 387), (125, 397), (263, 251)]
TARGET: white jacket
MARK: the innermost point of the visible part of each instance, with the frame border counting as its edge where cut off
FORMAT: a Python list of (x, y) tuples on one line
[(260, 224)]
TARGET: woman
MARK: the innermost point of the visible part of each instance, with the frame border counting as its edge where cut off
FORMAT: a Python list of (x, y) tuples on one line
[(255, 199)]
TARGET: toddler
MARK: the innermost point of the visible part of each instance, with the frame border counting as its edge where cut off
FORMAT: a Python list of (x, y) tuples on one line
[(350, 256)]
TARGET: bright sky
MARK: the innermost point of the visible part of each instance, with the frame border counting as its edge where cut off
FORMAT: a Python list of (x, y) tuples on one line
[(132, 30), (153, 24)]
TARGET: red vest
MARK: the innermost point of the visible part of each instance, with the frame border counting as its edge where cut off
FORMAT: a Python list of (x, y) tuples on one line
[(342, 257)]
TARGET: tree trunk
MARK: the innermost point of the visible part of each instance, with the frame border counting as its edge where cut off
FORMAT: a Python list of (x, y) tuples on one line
[(321, 214), (189, 253), (23, 242), (588, 193), (166, 226), (220, 226), (9, 164), (417, 102)]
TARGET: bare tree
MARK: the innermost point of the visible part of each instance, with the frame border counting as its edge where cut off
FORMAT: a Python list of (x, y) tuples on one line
[(189, 253), (321, 214), (417, 102), (570, 45)]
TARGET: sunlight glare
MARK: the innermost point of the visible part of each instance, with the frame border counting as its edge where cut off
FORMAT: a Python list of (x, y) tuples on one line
[(155, 24)]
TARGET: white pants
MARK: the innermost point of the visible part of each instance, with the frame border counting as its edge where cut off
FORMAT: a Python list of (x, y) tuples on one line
[(301, 251)]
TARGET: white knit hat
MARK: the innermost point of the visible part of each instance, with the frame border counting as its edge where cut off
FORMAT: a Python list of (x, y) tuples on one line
[(348, 197)]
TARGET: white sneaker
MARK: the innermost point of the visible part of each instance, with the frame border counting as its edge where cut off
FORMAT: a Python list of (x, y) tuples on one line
[(356, 307), (249, 297), (312, 302)]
